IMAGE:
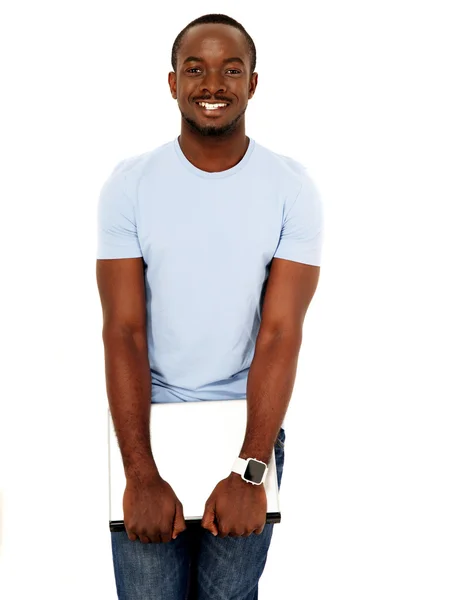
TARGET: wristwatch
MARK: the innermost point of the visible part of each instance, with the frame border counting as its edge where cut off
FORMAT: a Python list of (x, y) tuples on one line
[(251, 470)]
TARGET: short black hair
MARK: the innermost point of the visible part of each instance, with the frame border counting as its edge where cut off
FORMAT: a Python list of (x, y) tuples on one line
[(214, 18)]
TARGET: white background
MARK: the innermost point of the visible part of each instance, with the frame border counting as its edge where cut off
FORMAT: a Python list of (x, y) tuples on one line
[(377, 99)]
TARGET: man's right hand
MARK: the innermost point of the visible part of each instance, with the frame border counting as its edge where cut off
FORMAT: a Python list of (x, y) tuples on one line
[(152, 511)]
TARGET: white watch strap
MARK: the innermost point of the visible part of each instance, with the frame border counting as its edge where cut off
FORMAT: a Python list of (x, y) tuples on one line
[(239, 466)]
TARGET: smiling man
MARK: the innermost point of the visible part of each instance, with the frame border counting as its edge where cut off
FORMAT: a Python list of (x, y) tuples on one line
[(208, 257)]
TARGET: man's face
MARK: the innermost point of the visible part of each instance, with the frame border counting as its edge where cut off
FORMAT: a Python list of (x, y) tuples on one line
[(205, 73)]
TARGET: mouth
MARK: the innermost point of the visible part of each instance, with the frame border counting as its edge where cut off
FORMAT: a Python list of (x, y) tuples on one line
[(212, 109)]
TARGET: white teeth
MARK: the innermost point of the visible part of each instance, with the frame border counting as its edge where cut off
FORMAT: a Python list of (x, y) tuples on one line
[(211, 106)]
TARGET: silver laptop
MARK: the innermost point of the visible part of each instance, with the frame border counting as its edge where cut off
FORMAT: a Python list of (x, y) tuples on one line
[(194, 445)]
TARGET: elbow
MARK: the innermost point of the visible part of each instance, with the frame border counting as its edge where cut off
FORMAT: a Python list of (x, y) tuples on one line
[(291, 339), (113, 333)]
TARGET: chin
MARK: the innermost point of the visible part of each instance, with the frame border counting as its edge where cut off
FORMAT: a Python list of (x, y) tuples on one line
[(210, 130), (213, 131)]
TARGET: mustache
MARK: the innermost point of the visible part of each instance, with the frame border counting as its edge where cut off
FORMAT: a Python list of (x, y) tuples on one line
[(214, 99)]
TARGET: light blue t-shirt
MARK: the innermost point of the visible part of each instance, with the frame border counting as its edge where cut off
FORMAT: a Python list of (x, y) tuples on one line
[(207, 241)]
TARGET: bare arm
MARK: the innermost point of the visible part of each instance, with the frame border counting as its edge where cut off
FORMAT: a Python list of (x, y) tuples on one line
[(273, 369), (122, 293)]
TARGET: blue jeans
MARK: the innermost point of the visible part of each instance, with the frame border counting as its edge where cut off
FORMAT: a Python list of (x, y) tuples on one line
[(196, 565)]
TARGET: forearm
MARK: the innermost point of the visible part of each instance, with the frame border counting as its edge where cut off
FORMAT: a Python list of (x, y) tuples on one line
[(269, 388), (129, 392)]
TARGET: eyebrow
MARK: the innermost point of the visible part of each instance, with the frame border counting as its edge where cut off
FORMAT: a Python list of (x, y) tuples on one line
[(226, 60)]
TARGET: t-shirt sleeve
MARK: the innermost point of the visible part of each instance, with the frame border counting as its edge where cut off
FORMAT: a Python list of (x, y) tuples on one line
[(302, 230), (116, 223)]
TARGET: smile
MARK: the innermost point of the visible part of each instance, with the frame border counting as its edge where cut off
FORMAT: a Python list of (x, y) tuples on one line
[(212, 107)]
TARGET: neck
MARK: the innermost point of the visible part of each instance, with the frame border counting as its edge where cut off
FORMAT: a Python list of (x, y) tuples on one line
[(213, 153)]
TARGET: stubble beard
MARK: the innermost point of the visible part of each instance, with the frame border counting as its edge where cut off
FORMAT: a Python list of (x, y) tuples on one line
[(212, 130)]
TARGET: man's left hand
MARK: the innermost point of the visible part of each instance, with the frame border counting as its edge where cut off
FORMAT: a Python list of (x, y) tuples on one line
[(235, 508)]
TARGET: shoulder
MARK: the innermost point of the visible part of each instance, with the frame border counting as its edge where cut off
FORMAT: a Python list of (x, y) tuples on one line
[(127, 173), (288, 171), (303, 199)]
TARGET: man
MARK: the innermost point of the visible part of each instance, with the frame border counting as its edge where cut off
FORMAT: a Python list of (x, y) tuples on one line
[(216, 242)]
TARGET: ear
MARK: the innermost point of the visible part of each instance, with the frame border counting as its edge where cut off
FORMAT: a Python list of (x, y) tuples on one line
[(252, 85), (172, 83)]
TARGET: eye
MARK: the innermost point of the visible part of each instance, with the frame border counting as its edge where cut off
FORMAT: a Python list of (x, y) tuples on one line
[(193, 69), (235, 70)]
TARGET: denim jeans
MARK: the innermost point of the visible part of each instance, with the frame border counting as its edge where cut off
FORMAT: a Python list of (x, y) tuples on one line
[(196, 565)]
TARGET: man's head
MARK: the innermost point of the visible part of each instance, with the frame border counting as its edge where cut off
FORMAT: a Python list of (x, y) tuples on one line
[(204, 73)]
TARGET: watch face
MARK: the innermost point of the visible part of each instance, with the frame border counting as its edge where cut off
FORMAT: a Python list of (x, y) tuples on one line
[(254, 471)]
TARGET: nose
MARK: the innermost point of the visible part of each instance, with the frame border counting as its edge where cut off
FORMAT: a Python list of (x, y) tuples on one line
[(213, 82)]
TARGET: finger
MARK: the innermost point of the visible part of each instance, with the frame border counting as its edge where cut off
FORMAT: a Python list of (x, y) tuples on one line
[(223, 533), (213, 529), (260, 530), (236, 532), (179, 524), (208, 520), (131, 535), (166, 537), (145, 539)]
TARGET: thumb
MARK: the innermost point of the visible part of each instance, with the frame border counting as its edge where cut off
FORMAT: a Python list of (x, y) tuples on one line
[(208, 519), (179, 524)]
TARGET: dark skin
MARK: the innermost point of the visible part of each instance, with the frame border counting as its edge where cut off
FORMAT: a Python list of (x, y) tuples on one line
[(212, 142), (216, 141), (235, 507)]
